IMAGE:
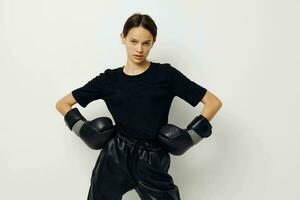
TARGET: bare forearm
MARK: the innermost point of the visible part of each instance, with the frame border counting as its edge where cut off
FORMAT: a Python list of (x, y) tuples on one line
[(65, 104), (63, 108), (210, 110)]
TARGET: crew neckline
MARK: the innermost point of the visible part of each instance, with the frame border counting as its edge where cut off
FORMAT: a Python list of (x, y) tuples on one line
[(136, 75)]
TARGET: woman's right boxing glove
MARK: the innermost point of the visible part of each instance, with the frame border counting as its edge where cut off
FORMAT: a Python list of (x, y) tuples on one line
[(95, 133)]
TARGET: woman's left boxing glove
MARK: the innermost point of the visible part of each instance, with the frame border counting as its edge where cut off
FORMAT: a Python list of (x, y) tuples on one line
[(177, 141), (95, 133)]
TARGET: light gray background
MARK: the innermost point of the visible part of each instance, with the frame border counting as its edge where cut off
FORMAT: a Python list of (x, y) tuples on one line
[(245, 52)]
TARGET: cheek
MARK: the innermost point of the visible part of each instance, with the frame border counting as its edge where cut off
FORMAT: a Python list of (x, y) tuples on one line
[(129, 48), (147, 50)]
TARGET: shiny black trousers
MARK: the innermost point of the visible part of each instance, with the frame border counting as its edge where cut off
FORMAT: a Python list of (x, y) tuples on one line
[(127, 163)]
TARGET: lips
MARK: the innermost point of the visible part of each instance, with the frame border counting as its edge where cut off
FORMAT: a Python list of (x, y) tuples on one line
[(139, 55)]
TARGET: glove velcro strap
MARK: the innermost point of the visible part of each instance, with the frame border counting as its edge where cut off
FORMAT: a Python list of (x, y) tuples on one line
[(77, 126), (72, 116), (194, 136), (201, 126)]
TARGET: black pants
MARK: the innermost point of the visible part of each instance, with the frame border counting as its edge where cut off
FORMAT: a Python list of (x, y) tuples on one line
[(125, 164)]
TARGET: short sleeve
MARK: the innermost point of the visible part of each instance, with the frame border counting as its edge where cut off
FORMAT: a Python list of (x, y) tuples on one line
[(185, 88), (94, 89)]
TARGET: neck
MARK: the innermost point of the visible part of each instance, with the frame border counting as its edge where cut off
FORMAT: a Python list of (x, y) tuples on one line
[(134, 68)]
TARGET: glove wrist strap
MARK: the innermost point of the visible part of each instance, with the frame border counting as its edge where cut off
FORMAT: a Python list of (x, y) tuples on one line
[(72, 116), (77, 126), (201, 126), (194, 136)]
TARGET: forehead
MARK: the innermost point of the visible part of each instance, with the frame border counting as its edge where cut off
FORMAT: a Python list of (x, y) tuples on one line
[(139, 33)]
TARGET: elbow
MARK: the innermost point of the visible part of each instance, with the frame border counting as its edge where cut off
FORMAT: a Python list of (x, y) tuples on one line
[(215, 104), (211, 99), (58, 105), (219, 104)]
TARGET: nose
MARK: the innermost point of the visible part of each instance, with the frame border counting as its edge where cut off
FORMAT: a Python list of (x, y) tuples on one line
[(139, 48)]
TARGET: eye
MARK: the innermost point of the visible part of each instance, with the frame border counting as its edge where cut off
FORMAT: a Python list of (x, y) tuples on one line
[(133, 41)]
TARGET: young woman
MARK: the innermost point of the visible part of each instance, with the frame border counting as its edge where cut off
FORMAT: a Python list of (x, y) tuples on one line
[(138, 95)]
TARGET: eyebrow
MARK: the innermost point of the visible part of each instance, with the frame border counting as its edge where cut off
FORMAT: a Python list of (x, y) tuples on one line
[(145, 40)]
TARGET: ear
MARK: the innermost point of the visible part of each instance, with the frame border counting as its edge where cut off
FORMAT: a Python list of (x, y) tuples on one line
[(122, 38)]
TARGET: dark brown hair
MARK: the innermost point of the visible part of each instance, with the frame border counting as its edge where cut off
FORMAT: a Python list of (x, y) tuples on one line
[(138, 19)]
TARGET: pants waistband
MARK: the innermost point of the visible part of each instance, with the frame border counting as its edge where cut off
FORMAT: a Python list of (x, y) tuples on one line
[(140, 143)]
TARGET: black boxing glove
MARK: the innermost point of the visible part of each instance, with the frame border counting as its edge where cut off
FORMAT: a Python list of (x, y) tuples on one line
[(177, 141), (174, 139), (199, 126), (95, 133)]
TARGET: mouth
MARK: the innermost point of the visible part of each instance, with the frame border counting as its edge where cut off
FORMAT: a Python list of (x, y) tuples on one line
[(138, 56)]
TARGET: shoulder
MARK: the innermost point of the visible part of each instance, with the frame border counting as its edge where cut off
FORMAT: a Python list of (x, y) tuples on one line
[(110, 73), (169, 70), (162, 64), (167, 66), (163, 67)]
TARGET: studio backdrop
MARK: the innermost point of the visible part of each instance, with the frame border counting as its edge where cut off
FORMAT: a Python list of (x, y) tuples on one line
[(245, 52)]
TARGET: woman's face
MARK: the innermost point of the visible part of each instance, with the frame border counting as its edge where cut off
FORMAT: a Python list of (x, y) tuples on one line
[(138, 42)]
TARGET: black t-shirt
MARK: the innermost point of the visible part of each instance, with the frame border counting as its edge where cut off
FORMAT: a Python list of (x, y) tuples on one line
[(140, 104)]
